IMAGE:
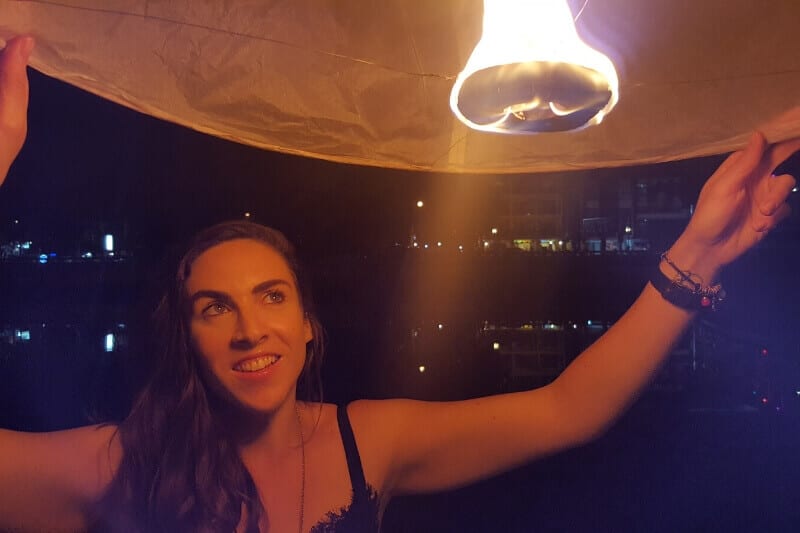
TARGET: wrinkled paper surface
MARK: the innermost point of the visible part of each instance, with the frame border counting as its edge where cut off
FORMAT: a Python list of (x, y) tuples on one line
[(368, 82)]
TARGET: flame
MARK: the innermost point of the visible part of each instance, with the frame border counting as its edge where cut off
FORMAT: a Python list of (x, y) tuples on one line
[(531, 72)]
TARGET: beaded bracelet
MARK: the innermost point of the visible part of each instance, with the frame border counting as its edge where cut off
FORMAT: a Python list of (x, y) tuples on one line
[(683, 291)]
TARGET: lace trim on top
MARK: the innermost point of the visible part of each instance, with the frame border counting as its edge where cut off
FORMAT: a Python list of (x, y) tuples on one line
[(359, 516)]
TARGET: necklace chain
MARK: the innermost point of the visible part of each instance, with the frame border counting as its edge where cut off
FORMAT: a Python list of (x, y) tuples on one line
[(302, 466)]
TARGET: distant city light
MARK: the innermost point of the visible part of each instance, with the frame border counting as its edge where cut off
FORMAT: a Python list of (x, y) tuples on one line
[(110, 342), (86, 255), (588, 322), (108, 243), (23, 335), (420, 203), (43, 258), (439, 244), (440, 326), (495, 345), (415, 244), (16, 221), (794, 189), (421, 368), (460, 248), (485, 244), (628, 229), (247, 214), (494, 231), (426, 246)]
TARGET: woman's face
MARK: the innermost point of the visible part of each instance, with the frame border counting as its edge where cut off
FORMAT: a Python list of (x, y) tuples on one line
[(247, 323)]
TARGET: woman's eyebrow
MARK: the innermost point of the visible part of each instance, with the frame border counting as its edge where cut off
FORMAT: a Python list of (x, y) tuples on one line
[(266, 285), (214, 295)]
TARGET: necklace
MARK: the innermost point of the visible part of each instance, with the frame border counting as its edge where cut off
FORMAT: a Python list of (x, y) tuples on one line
[(302, 466)]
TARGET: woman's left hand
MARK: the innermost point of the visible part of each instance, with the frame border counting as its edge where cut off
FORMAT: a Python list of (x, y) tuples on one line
[(738, 206)]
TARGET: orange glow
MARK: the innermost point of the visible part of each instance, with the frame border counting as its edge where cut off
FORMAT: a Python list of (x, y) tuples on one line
[(531, 73)]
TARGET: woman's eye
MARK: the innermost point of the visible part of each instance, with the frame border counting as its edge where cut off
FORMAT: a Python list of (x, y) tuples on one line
[(214, 309), (274, 297)]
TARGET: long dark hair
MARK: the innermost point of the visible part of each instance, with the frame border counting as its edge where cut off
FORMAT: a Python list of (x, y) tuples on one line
[(180, 471)]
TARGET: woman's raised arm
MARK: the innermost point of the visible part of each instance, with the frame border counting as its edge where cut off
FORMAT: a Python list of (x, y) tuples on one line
[(435, 446), (48, 481)]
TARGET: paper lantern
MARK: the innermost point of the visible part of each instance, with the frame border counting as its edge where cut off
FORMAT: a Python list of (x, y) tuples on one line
[(369, 82)]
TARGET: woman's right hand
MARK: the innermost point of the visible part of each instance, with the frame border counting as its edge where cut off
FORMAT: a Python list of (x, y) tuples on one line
[(13, 100)]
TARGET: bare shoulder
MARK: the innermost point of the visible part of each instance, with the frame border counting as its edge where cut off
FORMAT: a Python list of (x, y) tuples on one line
[(419, 446), (93, 454), (379, 427), (369, 418), (379, 416)]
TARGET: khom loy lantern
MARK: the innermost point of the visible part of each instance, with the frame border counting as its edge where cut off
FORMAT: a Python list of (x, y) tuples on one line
[(531, 72)]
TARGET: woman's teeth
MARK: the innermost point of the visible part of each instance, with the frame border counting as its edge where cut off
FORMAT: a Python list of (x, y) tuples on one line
[(254, 365)]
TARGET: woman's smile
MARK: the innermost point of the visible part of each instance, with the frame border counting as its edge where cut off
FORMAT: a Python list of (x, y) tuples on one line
[(259, 363)]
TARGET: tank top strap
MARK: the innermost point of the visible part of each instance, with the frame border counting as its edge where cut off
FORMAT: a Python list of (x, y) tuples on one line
[(357, 479)]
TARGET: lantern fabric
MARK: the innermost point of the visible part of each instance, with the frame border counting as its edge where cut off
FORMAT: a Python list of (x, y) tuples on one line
[(368, 82)]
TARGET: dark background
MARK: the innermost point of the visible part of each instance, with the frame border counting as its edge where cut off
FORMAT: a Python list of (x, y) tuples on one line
[(711, 446)]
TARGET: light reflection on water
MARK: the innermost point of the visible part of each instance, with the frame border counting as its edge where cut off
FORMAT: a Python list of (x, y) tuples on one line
[(60, 375)]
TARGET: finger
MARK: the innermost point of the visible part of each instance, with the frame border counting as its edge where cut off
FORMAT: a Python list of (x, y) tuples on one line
[(729, 162), (783, 211), (777, 189), (764, 224), (738, 169)]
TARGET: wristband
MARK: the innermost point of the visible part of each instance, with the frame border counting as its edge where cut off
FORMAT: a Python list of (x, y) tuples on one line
[(692, 298)]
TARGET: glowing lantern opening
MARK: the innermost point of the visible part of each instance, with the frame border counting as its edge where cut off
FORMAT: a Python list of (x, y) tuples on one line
[(531, 73)]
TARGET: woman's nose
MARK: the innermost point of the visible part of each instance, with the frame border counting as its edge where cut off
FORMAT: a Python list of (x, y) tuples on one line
[(250, 329)]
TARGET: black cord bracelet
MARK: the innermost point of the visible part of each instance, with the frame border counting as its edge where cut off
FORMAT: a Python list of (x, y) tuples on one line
[(696, 298)]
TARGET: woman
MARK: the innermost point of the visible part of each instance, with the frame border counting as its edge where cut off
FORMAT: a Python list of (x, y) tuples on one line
[(218, 441)]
